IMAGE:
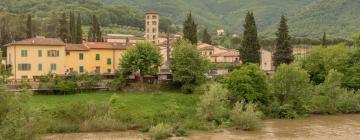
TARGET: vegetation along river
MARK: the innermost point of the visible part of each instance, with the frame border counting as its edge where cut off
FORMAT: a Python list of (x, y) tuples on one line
[(316, 127)]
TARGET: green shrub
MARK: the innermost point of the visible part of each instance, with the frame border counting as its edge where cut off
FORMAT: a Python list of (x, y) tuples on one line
[(322, 104), (160, 131), (245, 116), (102, 123), (17, 122), (212, 103), (348, 103), (181, 132)]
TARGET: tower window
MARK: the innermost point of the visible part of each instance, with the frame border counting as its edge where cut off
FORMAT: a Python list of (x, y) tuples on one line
[(154, 17)]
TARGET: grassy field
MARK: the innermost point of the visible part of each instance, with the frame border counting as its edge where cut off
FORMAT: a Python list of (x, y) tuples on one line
[(133, 109)]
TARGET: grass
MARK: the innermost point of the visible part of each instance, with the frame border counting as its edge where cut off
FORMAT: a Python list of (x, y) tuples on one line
[(133, 109), (135, 101)]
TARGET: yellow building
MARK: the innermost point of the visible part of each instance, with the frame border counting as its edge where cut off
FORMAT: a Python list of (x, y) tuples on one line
[(94, 57), (35, 57)]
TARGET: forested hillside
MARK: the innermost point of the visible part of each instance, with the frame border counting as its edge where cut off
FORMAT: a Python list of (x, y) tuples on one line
[(339, 18)]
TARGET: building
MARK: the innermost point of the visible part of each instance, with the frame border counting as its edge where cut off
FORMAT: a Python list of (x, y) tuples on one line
[(34, 57), (122, 38), (220, 32), (219, 54), (152, 27), (266, 61)]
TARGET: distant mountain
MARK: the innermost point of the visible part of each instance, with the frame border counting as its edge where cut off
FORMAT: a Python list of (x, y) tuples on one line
[(306, 17)]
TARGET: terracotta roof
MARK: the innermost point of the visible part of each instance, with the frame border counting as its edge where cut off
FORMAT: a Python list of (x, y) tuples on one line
[(41, 41), (106, 45), (205, 46), (75, 47)]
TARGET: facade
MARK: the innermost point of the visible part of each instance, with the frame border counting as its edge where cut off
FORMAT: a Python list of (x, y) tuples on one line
[(121, 38), (34, 57), (266, 61), (152, 27)]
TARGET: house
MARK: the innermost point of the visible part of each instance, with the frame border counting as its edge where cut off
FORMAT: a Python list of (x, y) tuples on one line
[(34, 57), (266, 63), (219, 54), (122, 38), (220, 32)]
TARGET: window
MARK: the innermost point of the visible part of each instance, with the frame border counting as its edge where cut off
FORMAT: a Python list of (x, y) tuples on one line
[(154, 30), (108, 61), (148, 23), (52, 67), (97, 69), (40, 67), (81, 69), (67, 53), (53, 53), (154, 17), (40, 53), (24, 77), (109, 70), (210, 53), (154, 22), (97, 57), (81, 56), (148, 17), (154, 37), (24, 53), (24, 67)]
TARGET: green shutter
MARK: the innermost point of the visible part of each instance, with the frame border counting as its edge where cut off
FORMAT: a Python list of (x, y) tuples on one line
[(81, 56), (81, 69), (109, 61), (97, 56)]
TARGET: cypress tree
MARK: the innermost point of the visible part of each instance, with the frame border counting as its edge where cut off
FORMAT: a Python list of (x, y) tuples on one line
[(250, 46), (63, 31), (190, 29), (78, 30), (72, 28), (96, 31), (206, 37), (323, 43), (90, 35), (29, 30), (283, 51)]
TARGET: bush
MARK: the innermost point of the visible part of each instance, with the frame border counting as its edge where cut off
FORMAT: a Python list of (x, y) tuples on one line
[(160, 131), (322, 104), (292, 91), (17, 122), (248, 83), (245, 116), (102, 123), (181, 132), (348, 103), (212, 104)]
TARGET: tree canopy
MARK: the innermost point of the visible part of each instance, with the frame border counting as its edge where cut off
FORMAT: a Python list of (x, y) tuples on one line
[(250, 46)]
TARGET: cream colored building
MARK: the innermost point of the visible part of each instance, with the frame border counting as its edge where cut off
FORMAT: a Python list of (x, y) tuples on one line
[(219, 54), (34, 57), (266, 61)]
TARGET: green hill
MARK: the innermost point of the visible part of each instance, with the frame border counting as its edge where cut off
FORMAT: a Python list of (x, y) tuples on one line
[(306, 17)]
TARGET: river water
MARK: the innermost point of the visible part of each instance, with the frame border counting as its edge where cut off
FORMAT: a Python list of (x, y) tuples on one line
[(337, 127)]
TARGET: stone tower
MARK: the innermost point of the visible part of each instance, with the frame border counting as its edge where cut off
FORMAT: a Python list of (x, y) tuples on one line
[(152, 27)]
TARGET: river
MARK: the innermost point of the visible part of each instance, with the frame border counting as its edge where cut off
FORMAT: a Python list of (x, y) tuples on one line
[(316, 127)]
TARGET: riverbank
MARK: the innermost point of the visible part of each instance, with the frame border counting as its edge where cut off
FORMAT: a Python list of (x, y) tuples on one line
[(315, 127)]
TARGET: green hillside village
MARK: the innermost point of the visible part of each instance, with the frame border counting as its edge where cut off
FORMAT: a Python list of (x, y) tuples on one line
[(179, 69)]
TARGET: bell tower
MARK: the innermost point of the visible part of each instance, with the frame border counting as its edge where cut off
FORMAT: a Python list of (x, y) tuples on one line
[(152, 27)]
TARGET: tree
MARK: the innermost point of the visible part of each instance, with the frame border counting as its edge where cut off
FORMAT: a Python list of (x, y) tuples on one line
[(96, 30), (352, 71), (283, 50), (249, 84), (324, 43), (212, 104), (250, 46), (321, 60), (72, 28), (188, 65), (190, 29), (63, 31), (206, 37), (79, 33), (144, 58), (29, 31), (292, 91)]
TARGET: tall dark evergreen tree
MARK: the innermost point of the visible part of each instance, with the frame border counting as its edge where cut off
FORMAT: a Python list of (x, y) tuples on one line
[(96, 30), (29, 29), (206, 38), (63, 31), (190, 29), (72, 28), (250, 46), (283, 51), (79, 32), (324, 43)]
